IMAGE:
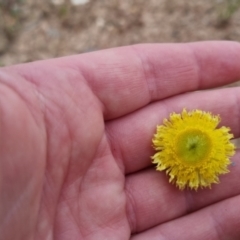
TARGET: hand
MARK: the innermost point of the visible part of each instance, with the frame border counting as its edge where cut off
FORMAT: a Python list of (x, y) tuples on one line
[(75, 144)]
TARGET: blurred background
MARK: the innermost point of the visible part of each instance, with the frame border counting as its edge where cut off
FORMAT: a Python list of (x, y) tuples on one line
[(39, 29)]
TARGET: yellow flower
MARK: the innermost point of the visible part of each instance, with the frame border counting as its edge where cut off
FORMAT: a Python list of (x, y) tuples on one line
[(192, 150)]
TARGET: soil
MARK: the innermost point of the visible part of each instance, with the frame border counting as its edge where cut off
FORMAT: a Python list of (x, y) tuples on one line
[(39, 29)]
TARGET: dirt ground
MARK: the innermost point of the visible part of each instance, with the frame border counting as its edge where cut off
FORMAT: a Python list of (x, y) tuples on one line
[(39, 29)]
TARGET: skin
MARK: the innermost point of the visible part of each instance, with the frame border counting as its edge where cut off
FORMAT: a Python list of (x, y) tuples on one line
[(75, 144)]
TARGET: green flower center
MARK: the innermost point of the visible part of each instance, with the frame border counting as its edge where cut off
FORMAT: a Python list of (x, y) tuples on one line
[(193, 146)]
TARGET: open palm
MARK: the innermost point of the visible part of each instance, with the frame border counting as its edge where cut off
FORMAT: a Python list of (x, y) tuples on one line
[(75, 144)]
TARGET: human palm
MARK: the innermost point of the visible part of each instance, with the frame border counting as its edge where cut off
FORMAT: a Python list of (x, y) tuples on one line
[(75, 139)]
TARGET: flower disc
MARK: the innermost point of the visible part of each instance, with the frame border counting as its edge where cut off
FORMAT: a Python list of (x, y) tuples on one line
[(192, 150)]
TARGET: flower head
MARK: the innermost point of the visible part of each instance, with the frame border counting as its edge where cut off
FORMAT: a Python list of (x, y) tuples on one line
[(192, 150)]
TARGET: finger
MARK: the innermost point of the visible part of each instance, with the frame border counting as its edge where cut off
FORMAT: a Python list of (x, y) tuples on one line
[(152, 200), (220, 221), (128, 78), (131, 136)]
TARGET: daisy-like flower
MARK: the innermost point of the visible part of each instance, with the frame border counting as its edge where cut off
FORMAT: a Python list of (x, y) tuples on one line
[(192, 150)]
